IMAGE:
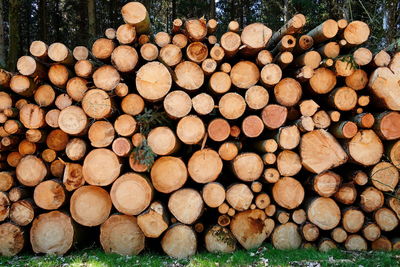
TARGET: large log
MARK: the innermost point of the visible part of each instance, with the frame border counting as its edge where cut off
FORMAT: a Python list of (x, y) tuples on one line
[(286, 236), (219, 239), (12, 239), (154, 221), (101, 167), (205, 166), (288, 193), (168, 174), (179, 241), (324, 213)]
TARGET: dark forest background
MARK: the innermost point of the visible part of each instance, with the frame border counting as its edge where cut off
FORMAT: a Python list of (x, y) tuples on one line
[(80, 22)]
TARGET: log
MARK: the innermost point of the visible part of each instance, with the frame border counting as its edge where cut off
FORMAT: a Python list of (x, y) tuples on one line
[(190, 129), (170, 54), (38, 49), (230, 42), (189, 75), (73, 177), (162, 39), (149, 51), (288, 163), (287, 43), (387, 125), (329, 50), (122, 146), (346, 194), (124, 58), (28, 66), (49, 195), (326, 183), (63, 101), (168, 174), (339, 235), (326, 245), (121, 234), (30, 170), (22, 85), (135, 14), (4, 206), (356, 243), (344, 129), (204, 166), (356, 33), (254, 38), (305, 124), (371, 231), (244, 74), (121, 90), (57, 140), (294, 25), (288, 92), (324, 213), (343, 67), (311, 59), (62, 229), (371, 199), (353, 220), (186, 205), (219, 239), (239, 196), (385, 218), (217, 53), (357, 80), (213, 194), (286, 236), (76, 88), (251, 228), (310, 232), (153, 87), (383, 83), (101, 134), (179, 241), (262, 201), (101, 167), (274, 116), (177, 104), (18, 193), (84, 68), (162, 141), (22, 212), (107, 77), (220, 82), (80, 53), (132, 104), (256, 97), (60, 53), (218, 129), (252, 126), (228, 151), (13, 158), (12, 239), (203, 104), (92, 198), (282, 192), (325, 31), (232, 106), (322, 119), (197, 52), (153, 222), (57, 168), (126, 34), (343, 98), (125, 125), (362, 56), (323, 81), (97, 104), (180, 40), (6, 180), (384, 176), (248, 166), (382, 243), (264, 57), (365, 148), (320, 151), (308, 107), (196, 29)]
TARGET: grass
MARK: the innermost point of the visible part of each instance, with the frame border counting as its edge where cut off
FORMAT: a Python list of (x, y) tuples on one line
[(265, 256)]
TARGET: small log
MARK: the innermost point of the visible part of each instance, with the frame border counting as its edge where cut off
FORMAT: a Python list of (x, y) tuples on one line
[(365, 148), (387, 125), (324, 213), (274, 116), (384, 176), (218, 129), (303, 43), (320, 151), (371, 199), (149, 51), (131, 193), (385, 218), (153, 222), (309, 231), (264, 57), (60, 225), (63, 101), (121, 234), (125, 125), (6, 180), (126, 34), (190, 129), (353, 220), (80, 53), (101, 134), (180, 40), (97, 104), (288, 92), (262, 201), (135, 14), (162, 39), (356, 33), (371, 231), (288, 137), (364, 120), (286, 236), (326, 245), (329, 50), (101, 167), (217, 53), (251, 228), (323, 81), (254, 38), (355, 243), (162, 141), (362, 56), (256, 97), (48, 155), (28, 66), (168, 174), (282, 192), (326, 183), (13, 158), (299, 216), (170, 54), (179, 241), (204, 166), (18, 193), (294, 25), (343, 98), (73, 177), (220, 82), (186, 205), (121, 90), (153, 87), (73, 120), (84, 68), (346, 194), (339, 235), (57, 168), (382, 243), (325, 31), (357, 80), (252, 126), (4, 206), (189, 75), (232, 106), (203, 104), (12, 239), (213, 194), (38, 49), (196, 29), (197, 52), (283, 59), (288, 163), (124, 58), (92, 198), (308, 107), (30, 170), (177, 104), (22, 212), (132, 104), (239, 196), (321, 119), (343, 67), (49, 195), (226, 67), (248, 166), (287, 43), (244, 74), (219, 239), (107, 77), (22, 85), (311, 59), (60, 53), (305, 124), (344, 129), (76, 88)]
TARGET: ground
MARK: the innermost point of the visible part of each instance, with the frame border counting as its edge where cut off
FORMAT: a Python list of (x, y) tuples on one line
[(265, 256)]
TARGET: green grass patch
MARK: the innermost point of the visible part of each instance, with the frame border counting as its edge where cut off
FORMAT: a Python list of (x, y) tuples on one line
[(265, 256)]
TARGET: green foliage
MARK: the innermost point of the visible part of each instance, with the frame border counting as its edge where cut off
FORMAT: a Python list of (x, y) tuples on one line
[(264, 256), (144, 155), (150, 119)]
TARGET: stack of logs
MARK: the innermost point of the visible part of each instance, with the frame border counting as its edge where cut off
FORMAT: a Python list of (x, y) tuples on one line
[(181, 136)]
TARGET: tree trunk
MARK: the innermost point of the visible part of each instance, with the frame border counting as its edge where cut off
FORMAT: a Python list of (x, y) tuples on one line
[(3, 58), (14, 46), (91, 8)]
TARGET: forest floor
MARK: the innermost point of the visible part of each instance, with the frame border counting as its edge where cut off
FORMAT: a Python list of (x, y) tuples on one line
[(264, 256)]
